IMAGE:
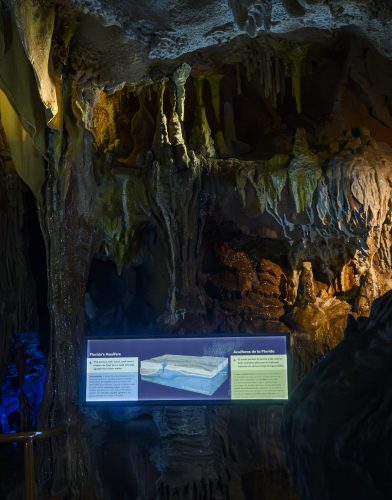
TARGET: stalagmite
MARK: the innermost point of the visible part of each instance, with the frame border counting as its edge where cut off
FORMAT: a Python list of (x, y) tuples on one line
[(305, 293), (323, 317)]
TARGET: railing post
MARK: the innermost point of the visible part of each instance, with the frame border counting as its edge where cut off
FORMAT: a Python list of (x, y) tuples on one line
[(29, 469), (28, 438)]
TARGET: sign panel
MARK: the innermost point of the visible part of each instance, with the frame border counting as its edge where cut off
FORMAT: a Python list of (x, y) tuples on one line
[(186, 369)]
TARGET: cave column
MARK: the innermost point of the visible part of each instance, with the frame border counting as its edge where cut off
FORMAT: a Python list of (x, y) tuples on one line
[(67, 218)]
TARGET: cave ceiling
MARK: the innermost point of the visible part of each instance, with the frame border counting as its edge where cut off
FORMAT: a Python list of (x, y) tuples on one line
[(120, 40)]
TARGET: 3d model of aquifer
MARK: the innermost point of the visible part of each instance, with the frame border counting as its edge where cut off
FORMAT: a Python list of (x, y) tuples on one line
[(203, 374)]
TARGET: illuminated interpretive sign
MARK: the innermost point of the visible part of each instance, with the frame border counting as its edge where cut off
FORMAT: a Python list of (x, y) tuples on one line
[(186, 369)]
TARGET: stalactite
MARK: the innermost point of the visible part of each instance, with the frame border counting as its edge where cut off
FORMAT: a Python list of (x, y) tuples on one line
[(304, 172), (231, 141), (36, 26), (180, 77), (268, 71), (214, 81), (263, 64), (175, 124), (293, 56), (277, 168), (175, 198), (161, 136), (25, 156), (123, 211), (268, 180), (238, 78), (333, 205), (200, 140), (247, 68), (142, 131), (19, 86), (296, 77)]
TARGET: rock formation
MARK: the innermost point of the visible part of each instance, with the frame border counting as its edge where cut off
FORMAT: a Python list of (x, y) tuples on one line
[(340, 413), (198, 166)]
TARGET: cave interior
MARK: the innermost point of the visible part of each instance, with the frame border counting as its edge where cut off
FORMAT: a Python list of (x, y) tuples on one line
[(186, 167)]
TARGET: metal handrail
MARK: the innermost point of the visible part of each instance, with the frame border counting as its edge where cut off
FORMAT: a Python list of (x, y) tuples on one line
[(28, 438)]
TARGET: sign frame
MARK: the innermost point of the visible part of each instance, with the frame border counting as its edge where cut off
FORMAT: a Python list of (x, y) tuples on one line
[(184, 402)]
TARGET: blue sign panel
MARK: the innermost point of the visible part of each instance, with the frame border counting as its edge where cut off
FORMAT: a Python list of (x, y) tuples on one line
[(186, 369)]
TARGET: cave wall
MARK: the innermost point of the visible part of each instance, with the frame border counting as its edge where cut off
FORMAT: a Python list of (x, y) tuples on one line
[(239, 186)]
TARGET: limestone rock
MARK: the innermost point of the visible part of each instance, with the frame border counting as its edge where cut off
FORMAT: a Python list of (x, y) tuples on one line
[(337, 424)]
